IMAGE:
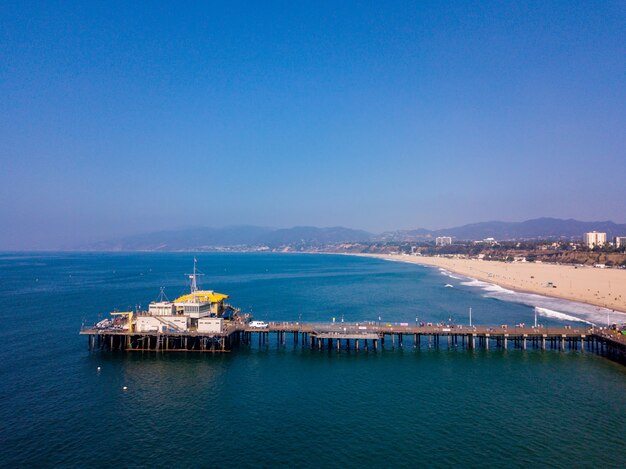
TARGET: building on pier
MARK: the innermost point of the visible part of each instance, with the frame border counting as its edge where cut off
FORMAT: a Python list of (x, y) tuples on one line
[(199, 310)]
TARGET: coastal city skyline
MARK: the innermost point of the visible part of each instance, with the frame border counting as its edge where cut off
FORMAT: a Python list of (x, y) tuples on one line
[(250, 236), (117, 120)]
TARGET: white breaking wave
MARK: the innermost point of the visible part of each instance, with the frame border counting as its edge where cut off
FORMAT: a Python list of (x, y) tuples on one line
[(557, 315), (489, 287), (447, 273), (555, 308)]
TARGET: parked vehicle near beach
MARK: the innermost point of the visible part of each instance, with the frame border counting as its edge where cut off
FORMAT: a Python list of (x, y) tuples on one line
[(259, 324)]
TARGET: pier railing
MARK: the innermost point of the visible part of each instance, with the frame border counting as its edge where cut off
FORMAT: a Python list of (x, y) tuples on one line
[(363, 335), (374, 327)]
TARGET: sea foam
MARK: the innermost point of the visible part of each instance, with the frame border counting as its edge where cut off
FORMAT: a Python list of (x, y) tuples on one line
[(447, 273), (558, 315), (555, 308)]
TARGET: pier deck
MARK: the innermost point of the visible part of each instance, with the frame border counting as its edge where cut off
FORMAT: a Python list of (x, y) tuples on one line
[(363, 335)]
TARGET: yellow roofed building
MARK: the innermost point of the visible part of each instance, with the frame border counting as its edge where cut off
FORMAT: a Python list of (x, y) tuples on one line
[(201, 304)]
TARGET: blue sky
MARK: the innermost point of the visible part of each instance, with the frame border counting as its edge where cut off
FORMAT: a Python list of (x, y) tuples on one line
[(130, 117)]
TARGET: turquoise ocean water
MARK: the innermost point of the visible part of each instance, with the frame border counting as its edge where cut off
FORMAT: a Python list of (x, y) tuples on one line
[(268, 407)]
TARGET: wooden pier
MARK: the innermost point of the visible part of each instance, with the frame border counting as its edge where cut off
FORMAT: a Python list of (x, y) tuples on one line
[(362, 337)]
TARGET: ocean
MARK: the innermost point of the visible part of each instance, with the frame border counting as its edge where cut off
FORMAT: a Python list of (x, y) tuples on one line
[(62, 406)]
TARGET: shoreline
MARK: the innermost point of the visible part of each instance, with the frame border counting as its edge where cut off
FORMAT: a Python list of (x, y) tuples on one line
[(606, 287)]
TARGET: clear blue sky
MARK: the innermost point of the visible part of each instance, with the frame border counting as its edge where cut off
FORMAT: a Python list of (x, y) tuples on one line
[(129, 117)]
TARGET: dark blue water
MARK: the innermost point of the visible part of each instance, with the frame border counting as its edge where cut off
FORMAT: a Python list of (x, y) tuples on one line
[(295, 408)]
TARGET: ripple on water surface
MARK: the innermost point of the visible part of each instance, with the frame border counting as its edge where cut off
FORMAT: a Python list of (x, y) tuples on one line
[(295, 408)]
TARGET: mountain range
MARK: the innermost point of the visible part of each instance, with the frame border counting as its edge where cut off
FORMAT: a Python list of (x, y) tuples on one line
[(207, 238), (538, 228)]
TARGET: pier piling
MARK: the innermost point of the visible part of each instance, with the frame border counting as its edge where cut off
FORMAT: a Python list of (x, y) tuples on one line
[(330, 336)]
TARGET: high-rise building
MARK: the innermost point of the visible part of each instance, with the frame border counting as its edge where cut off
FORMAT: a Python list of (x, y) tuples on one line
[(595, 239), (620, 241), (443, 240)]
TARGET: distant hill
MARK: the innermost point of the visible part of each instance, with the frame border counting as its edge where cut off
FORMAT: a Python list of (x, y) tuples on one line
[(208, 238), (314, 236), (205, 238), (539, 228), (190, 238)]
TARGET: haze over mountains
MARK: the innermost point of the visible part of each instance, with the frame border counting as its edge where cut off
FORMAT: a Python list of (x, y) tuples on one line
[(207, 238), (538, 228)]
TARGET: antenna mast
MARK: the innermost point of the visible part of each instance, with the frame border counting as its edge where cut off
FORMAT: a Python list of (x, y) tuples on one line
[(194, 284), (194, 279), (162, 295)]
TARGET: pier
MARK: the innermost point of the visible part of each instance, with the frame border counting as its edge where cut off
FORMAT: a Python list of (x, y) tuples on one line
[(366, 337)]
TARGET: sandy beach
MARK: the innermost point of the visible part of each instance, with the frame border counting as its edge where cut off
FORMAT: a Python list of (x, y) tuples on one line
[(595, 286)]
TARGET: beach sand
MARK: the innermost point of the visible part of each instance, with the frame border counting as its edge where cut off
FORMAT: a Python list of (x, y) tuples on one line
[(595, 286)]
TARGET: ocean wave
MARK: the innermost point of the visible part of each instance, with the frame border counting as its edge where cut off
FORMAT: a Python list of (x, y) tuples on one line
[(558, 315), (447, 273), (489, 287), (555, 308), (574, 310)]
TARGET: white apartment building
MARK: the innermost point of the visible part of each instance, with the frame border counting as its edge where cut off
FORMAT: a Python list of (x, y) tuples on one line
[(620, 241), (595, 239), (443, 240)]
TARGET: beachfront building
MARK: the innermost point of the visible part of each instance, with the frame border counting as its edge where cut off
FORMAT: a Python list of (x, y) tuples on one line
[(620, 241), (443, 241), (594, 239)]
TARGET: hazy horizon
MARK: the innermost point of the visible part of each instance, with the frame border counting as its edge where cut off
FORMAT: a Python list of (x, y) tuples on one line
[(122, 119), (89, 243)]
